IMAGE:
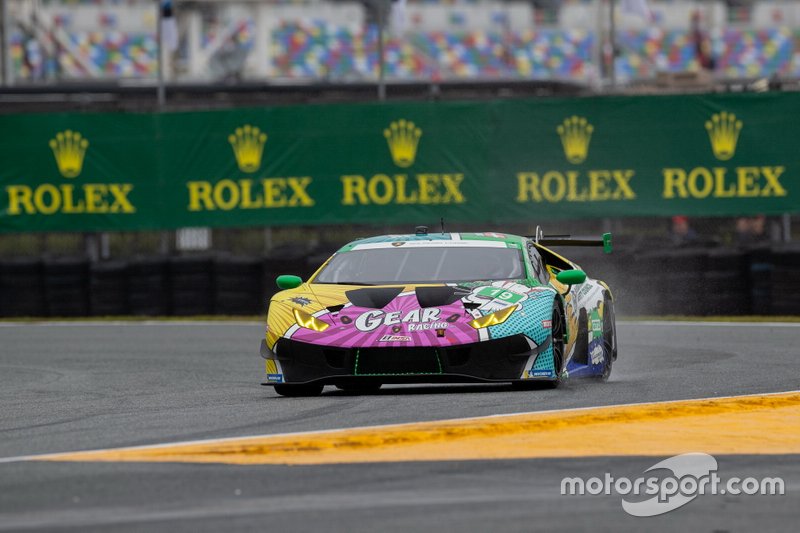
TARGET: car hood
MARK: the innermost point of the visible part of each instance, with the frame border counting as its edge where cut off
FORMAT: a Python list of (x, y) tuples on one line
[(396, 315)]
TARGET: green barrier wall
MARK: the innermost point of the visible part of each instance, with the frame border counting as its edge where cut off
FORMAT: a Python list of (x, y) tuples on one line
[(412, 162)]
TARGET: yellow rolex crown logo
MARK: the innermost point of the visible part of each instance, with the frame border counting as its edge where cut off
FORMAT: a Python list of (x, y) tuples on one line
[(723, 132), (69, 148), (575, 133), (248, 145), (403, 137)]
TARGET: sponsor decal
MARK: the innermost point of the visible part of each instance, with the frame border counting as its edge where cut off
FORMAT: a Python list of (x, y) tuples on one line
[(717, 182), (248, 145), (723, 182), (425, 327), (723, 133), (299, 300), (547, 324), (585, 291), (402, 137), (69, 148), (539, 373), (597, 354), (416, 320), (275, 378), (596, 185), (554, 186), (575, 133), (402, 189), (265, 193), (394, 338), (227, 194), (69, 151)]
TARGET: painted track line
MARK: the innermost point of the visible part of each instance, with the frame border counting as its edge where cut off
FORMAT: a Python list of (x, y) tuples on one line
[(748, 424)]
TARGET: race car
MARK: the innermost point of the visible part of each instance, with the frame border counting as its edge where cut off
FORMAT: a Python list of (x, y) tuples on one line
[(441, 308)]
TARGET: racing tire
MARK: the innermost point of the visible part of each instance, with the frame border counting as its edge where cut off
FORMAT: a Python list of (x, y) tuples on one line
[(298, 391), (609, 338), (558, 331), (557, 324), (360, 388)]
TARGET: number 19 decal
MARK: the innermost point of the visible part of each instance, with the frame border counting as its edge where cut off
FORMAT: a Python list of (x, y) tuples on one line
[(498, 293)]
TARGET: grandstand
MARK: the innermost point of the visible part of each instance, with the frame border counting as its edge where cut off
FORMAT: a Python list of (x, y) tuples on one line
[(51, 41)]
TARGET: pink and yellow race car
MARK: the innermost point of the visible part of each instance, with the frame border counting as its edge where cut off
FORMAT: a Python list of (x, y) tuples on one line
[(434, 308)]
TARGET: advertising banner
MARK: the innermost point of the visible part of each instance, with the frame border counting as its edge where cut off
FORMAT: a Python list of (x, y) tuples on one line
[(497, 161)]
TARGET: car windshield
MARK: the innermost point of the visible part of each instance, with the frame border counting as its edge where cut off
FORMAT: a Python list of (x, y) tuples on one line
[(428, 264)]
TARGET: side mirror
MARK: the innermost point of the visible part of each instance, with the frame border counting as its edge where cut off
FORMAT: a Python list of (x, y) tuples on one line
[(571, 277), (287, 281), (607, 243)]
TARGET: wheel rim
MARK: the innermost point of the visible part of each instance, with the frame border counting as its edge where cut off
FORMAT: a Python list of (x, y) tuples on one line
[(558, 341)]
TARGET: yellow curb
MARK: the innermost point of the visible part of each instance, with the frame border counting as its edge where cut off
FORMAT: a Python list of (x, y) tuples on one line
[(765, 424)]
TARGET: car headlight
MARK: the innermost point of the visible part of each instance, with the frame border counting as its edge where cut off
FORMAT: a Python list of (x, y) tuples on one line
[(304, 320), (493, 319)]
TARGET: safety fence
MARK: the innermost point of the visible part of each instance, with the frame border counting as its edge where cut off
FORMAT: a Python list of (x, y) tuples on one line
[(719, 281)]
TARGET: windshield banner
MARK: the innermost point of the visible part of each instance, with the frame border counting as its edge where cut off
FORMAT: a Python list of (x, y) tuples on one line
[(499, 161)]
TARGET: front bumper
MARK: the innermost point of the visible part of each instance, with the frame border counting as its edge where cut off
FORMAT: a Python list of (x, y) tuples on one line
[(495, 360)]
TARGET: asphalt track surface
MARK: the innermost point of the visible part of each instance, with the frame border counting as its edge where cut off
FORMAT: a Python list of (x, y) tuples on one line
[(81, 386)]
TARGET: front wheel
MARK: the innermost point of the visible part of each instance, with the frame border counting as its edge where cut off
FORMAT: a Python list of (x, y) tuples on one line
[(557, 332), (297, 391)]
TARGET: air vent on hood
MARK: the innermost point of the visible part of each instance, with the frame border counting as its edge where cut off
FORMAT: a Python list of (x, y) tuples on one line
[(376, 298), (438, 296)]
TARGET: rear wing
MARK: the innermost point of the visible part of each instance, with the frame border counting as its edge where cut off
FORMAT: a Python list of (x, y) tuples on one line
[(567, 240)]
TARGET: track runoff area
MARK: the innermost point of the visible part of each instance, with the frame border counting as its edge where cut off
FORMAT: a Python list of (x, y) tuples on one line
[(186, 393)]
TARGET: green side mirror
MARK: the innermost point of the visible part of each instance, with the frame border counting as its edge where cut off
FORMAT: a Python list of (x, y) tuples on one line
[(571, 277), (607, 243), (287, 281)]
